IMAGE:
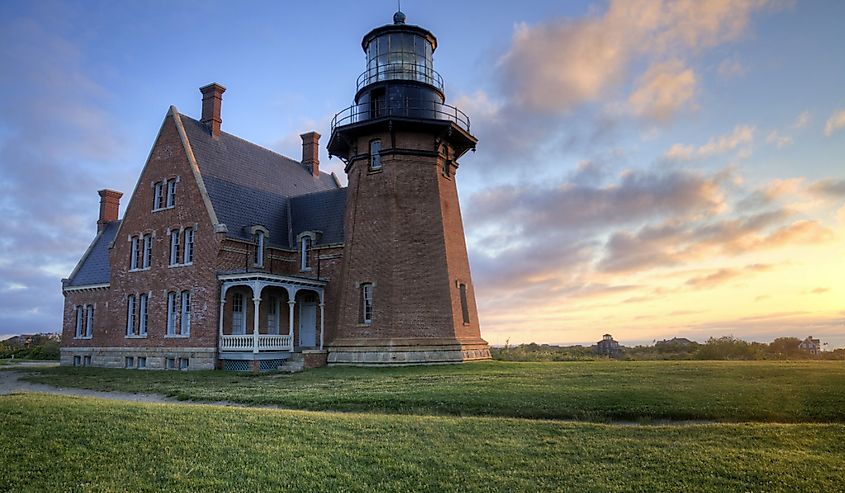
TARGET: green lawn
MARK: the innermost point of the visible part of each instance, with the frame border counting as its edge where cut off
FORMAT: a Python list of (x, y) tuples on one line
[(762, 391), (55, 443)]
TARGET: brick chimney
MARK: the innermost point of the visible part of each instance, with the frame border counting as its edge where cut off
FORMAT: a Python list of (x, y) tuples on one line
[(212, 99), (311, 152), (109, 205)]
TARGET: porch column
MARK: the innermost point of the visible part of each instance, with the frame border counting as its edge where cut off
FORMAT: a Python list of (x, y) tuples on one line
[(222, 311), (322, 322), (256, 302), (291, 303)]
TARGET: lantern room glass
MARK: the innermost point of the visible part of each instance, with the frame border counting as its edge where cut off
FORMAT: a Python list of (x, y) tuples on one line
[(403, 56)]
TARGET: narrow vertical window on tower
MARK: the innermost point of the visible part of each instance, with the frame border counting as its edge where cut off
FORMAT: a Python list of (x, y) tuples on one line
[(464, 306), (366, 303), (259, 249), (375, 154), (305, 248)]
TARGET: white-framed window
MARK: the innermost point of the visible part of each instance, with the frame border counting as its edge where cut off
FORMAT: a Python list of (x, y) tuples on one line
[(273, 315), (133, 253), (170, 363), (464, 306), (171, 313), (188, 249), (129, 362), (142, 362), (77, 361), (259, 248), (174, 247), (238, 319), (79, 321), (89, 320), (148, 251), (130, 315), (305, 248), (171, 193), (375, 154), (185, 305), (367, 303), (143, 304), (158, 195), (183, 363)]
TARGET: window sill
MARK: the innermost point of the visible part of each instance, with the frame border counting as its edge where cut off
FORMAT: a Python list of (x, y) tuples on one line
[(144, 336), (305, 270), (171, 266), (82, 338), (364, 324), (177, 336), (372, 171), (164, 208), (139, 270)]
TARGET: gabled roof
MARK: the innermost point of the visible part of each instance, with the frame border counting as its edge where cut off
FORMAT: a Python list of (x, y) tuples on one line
[(250, 185), (93, 267)]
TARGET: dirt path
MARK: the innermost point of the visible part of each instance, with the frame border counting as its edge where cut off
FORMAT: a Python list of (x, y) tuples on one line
[(10, 383)]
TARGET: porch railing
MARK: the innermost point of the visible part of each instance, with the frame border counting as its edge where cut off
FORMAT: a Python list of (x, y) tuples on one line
[(246, 342)]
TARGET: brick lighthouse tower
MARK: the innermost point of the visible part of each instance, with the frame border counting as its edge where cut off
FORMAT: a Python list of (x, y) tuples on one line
[(406, 293)]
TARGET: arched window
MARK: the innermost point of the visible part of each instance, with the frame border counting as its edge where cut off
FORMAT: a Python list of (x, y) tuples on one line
[(130, 315), (143, 302), (171, 313), (185, 304), (79, 321)]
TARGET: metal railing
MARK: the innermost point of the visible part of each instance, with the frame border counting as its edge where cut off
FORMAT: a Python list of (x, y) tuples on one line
[(408, 108), (400, 71), (246, 342)]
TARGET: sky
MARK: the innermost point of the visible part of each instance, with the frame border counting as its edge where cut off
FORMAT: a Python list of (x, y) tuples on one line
[(650, 169)]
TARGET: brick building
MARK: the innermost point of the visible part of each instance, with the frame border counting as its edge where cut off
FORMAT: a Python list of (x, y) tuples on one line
[(231, 256)]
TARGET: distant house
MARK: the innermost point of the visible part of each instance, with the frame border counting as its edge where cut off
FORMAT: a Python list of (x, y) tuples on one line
[(812, 346), (607, 346), (675, 341)]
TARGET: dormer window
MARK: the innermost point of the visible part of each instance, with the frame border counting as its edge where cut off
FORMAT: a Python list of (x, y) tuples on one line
[(375, 155), (304, 250), (259, 248)]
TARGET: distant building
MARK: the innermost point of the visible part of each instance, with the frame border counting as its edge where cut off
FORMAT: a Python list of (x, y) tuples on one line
[(812, 346), (607, 346), (675, 341)]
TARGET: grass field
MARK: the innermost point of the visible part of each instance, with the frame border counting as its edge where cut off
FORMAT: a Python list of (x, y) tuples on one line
[(55, 443), (754, 391)]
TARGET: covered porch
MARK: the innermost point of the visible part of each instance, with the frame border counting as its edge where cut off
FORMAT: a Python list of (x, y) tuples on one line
[(266, 317)]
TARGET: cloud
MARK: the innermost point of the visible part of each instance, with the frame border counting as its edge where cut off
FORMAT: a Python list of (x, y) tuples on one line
[(730, 68), (742, 135), (778, 140), (834, 123), (557, 65), (664, 90), (819, 290), (801, 120), (64, 145), (722, 276), (829, 187)]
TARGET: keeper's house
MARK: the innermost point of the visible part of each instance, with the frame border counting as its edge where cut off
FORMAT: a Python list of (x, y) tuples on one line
[(231, 256)]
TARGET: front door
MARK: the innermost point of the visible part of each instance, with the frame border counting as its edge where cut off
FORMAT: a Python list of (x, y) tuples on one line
[(308, 324)]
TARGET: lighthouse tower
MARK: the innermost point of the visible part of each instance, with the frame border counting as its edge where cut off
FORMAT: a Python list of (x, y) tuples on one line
[(406, 293)]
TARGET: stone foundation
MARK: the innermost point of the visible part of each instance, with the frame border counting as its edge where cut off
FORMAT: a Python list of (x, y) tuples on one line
[(156, 358), (398, 352), (314, 359)]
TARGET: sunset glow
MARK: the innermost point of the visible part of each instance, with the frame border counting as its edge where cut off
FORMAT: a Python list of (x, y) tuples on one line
[(649, 169)]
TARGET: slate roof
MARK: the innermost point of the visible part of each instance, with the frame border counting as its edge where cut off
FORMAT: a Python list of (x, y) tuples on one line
[(249, 185), (94, 267), (319, 211)]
